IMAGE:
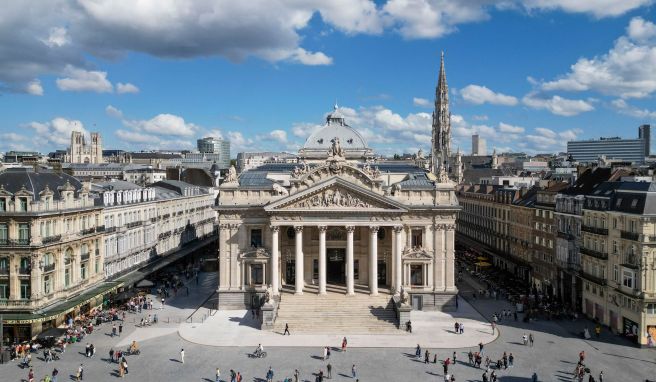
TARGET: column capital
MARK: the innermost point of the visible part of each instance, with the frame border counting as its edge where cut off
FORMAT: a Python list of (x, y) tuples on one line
[(398, 228), (298, 228), (373, 228), (275, 228), (322, 228), (350, 228)]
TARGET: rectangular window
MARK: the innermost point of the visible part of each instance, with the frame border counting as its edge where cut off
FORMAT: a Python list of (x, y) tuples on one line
[(67, 277), (83, 271), (651, 308), (417, 238), (256, 238), (4, 289), (416, 274), (4, 234), (47, 285), (4, 264), (24, 233), (627, 279), (22, 204), (25, 289), (3, 204)]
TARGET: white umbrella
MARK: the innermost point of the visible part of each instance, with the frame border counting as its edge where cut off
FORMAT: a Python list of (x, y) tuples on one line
[(145, 284)]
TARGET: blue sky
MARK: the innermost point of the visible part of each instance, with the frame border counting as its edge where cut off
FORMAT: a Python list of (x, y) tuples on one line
[(526, 74)]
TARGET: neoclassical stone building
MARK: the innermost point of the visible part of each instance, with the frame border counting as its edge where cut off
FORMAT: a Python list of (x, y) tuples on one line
[(341, 220)]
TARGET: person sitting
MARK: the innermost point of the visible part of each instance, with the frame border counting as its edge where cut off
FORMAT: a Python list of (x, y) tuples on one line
[(134, 347)]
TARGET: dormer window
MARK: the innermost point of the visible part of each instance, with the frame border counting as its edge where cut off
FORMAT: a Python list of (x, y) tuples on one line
[(22, 204), (3, 204)]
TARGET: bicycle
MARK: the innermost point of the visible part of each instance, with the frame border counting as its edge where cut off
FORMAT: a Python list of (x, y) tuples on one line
[(257, 354)]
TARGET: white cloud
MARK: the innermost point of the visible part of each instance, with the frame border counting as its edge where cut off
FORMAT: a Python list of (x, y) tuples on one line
[(56, 132), (421, 102), (557, 105), (34, 87), (310, 58), (279, 136), (216, 133), (479, 95), (80, 80), (570, 134), (13, 137), (240, 143), (547, 133), (135, 137), (597, 8), (113, 112), (506, 128), (304, 130), (164, 124), (627, 70), (57, 37), (624, 108), (122, 88)]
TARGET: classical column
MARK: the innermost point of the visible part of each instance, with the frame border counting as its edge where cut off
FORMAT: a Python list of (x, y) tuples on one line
[(322, 259), (35, 278), (438, 258), (275, 275), (398, 253), (350, 269), (299, 259), (373, 260), (450, 257), (224, 254)]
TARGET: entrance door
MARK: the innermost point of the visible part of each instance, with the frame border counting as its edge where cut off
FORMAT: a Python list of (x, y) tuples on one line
[(335, 267), (417, 302), (382, 273), (290, 272)]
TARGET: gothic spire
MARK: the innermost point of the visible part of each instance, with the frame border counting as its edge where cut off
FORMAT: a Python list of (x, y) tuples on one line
[(441, 136)]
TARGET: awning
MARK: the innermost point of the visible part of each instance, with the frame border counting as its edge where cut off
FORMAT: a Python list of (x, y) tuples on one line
[(64, 307), (481, 258), (483, 264), (145, 284)]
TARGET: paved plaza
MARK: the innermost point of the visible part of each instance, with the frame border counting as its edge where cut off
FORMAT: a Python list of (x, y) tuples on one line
[(553, 357)]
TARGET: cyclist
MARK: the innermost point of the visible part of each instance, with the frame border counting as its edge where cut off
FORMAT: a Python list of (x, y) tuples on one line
[(259, 350)]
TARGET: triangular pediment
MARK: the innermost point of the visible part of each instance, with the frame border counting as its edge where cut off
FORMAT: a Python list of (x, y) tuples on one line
[(336, 194)]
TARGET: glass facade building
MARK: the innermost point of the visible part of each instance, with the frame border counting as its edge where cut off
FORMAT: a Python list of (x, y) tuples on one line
[(628, 150)]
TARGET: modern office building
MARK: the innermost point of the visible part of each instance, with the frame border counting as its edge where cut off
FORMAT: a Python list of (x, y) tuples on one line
[(628, 150), (478, 145), (211, 145)]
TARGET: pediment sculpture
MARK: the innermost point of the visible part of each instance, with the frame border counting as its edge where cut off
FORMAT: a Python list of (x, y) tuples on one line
[(416, 253), (256, 253), (331, 198)]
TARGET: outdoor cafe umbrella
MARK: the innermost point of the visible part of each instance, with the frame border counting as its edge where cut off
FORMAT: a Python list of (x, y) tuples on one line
[(483, 264), (145, 284)]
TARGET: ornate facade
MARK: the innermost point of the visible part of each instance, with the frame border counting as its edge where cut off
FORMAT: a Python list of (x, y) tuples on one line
[(82, 152), (337, 220)]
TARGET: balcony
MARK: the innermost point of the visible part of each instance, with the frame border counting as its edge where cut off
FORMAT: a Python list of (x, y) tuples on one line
[(133, 224), (51, 239), (565, 235), (24, 271), (88, 231), (100, 228), (593, 253), (595, 230), (85, 257), (629, 235), (4, 271), (48, 268), (594, 279), (15, 243)]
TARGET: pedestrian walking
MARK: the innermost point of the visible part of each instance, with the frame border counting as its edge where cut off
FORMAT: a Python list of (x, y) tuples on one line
[(418, 351), (269, 375), (353, 371), (55, 373), (494, 326), (601, 376), (457, 327), (327, 352), (525, 339), (124, 362), (120, 329), (30, 376), (114, 330), (329, 371), (480, 348), (511, 359), (344, 343), (462, 328), (218, 375), (297, 375), (286, 329), (534, 377), (111, 355), (530, 339), (162, 303), (181, 355), (426, 357), (80, 373)]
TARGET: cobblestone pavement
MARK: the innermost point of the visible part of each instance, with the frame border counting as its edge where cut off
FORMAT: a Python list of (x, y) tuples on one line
[(552, 358)]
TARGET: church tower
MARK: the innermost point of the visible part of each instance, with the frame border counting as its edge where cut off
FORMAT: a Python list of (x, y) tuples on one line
[(441, 136)]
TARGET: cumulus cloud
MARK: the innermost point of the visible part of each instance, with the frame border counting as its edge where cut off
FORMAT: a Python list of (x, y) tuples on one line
[(627, 70), (506, 128), (623, 107), (34, 87), (134, 136), (164, 124), (46, 37), (548, 140), (54, 133), (80, 80), (279, 136), (479, 95), (122, 88), (557, 104), (421, 102), (113, 112)]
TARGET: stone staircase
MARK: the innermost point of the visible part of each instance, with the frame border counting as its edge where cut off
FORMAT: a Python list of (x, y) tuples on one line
[(335, 312)]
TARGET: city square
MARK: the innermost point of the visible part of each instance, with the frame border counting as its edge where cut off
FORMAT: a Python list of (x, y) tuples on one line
[(292, 191)]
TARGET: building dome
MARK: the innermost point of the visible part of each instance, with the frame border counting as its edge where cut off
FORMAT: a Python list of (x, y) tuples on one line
[(318, 144)]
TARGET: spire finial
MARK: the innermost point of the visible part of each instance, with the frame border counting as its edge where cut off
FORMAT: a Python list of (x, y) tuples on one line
[(335, 107)]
